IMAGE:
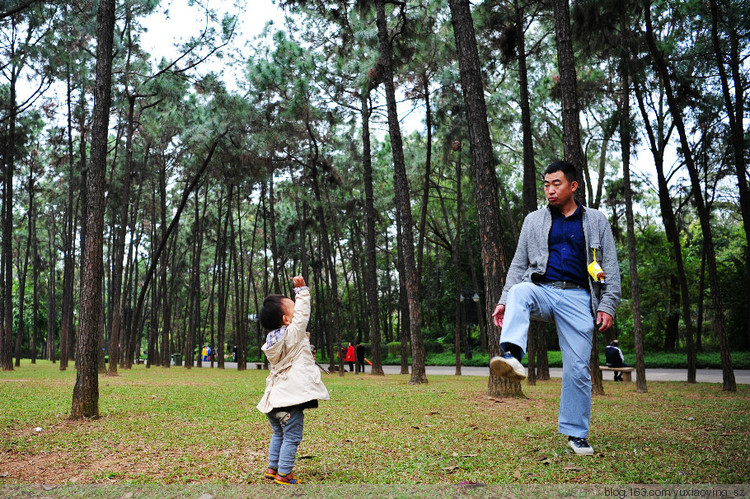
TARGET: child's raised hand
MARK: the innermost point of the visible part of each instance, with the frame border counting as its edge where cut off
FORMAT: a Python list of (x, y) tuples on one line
[(298, 281)]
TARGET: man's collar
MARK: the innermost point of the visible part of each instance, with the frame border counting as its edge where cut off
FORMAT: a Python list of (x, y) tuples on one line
[(579, 209)]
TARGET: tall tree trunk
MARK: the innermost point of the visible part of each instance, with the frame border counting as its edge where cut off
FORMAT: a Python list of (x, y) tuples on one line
[(118, 252), (485, 181), (51, 349), (529, 170), (371, 277), (456, 247), (162, 244), (223, 290), (166, 296), (402, 200), (23, 273), (6, 261), (86, 390), (635, 287), (34, 273), (736, 115), (427, 167), (729, 383), (657, 145), (566, 66)]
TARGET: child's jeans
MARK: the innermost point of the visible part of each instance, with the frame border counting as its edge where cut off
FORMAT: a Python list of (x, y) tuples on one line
[(287, 434)]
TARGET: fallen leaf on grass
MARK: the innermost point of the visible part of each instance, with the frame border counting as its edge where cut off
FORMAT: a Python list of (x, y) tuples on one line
[(451, 468), (307, 457), (517, 475), (3, 475), (727, 434), (572, 468)]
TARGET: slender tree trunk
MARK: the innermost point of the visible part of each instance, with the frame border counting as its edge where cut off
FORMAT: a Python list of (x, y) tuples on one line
[(456, 247), (729, 383), (404, 324), (736, 115), (6, 345), (23, 273), (657, 145), (223, 287), (51, 349), (86, 390), (35, 275), (162, 244), (427, 168), (119, 245), (371, 277), (402, 200), (485, 181), (569, 96), (635, 289)]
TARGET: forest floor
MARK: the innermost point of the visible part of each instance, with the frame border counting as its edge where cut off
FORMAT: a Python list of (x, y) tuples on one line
[(199, 428)]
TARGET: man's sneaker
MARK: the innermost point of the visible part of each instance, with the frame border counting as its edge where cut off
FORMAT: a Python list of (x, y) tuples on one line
[(287, 479), (580, 446), (507, 366), (270, 473)]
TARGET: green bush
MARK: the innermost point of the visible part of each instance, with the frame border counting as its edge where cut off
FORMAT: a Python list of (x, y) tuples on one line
[(394, 349), (432, 346)]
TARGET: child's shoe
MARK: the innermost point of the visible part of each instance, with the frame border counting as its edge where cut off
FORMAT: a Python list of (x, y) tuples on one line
[(271, 473), (287, 479)]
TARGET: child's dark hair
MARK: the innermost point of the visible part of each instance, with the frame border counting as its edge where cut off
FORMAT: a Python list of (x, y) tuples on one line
[(270, 313)]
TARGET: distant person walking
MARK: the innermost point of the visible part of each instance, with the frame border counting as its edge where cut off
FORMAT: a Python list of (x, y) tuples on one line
[(350, 357), (360, 357)]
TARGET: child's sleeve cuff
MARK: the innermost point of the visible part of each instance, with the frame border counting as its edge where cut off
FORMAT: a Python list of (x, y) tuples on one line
[(303, 288)]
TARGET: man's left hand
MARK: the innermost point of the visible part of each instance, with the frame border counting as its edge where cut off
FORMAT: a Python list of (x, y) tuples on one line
[(603, 320)]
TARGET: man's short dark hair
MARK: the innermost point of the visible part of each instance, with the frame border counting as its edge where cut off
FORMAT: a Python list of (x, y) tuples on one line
[(271, 314), (563, 166)]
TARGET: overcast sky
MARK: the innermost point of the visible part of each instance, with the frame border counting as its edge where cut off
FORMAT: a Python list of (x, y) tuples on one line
[(175, 21)]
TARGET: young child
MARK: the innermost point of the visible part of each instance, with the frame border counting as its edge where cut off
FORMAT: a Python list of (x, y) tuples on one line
[(294, 383)]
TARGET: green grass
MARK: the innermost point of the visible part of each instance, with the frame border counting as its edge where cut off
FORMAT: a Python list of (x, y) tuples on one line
[(706, 360), (200, 426)]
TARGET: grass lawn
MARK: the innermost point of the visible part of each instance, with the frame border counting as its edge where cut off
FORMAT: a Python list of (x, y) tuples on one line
[(174, 426)]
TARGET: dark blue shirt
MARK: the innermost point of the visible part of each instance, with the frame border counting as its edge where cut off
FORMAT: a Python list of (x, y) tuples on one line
[(567, 248)]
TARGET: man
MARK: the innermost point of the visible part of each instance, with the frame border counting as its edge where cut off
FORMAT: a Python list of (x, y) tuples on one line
[(360, 354), (615, 358), (548, 280)]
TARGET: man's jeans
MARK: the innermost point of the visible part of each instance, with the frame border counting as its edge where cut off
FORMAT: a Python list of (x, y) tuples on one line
[(287, 434), (570, 310)]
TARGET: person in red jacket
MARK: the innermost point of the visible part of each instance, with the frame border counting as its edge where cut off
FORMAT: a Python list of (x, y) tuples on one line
[(350, 358)]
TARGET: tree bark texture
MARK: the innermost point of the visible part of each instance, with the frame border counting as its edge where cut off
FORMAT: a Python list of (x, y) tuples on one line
[(86, 390), (403, 208), (566, 66), (371, 276), (657, 144), (485, 181), (729, 383), (635, 287)]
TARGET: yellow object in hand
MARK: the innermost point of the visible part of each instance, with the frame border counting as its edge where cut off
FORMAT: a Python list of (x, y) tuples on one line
[(595, 270)]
